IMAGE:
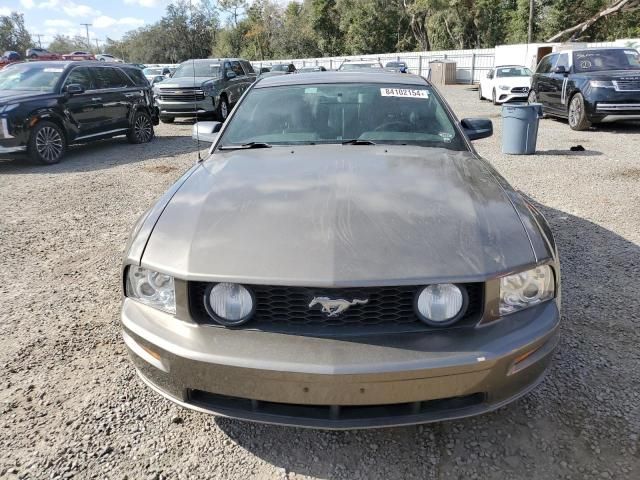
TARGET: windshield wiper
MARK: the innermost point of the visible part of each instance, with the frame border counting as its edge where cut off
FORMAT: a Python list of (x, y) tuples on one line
[(357, 141), (245, 146)]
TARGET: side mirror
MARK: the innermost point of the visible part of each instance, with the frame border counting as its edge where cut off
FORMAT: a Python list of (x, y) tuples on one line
[(477, 128), (230, 75), (74, 89), (560, 70), (206, 131), (157, 79)]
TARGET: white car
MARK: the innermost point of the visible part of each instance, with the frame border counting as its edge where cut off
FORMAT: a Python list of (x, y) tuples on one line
[(361, 66), (105, 57), (506, 83)]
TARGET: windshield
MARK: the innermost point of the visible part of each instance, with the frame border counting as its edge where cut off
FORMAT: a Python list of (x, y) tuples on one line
[(37, 78), (612, 59), (152, 71), (335, 113), (513, 72), (280, 68), (201, 69), (359, 66)]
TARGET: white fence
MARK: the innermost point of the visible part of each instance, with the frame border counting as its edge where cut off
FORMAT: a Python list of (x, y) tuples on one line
[(471, 65)]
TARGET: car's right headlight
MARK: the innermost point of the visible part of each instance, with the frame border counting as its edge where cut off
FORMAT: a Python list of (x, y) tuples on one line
[(151, 288), (504, 87), (600, 83), (526, 289)]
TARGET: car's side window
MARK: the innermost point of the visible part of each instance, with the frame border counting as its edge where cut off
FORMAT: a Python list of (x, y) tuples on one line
[(237, 68), (490, 75), (108, 77), (248, 67), (547, 63), (81, 76), (563, 61), (137, 76), (227, 67)]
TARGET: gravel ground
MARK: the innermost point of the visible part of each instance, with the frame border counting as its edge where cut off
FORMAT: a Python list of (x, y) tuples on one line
[(71, 405)]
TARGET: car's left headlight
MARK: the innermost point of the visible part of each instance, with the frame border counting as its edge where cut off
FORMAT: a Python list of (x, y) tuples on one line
[(504, 87), (600, 83), (526, 289), (151, 288)]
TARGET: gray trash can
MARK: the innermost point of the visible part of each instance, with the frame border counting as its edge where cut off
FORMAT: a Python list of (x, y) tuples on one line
[(520, 127)]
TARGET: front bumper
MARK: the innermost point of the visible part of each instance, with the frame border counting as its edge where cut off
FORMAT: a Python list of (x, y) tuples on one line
[(341, 383), (608, 105), (186, 109), (504, 96)]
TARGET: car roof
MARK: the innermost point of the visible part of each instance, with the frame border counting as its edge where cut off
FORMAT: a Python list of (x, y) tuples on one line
[(341, 77), (509, 66)]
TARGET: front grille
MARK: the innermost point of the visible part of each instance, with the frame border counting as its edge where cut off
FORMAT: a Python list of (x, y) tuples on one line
[(627, 84), (181, 95), (286, 309), (318, 415), (520, 90)]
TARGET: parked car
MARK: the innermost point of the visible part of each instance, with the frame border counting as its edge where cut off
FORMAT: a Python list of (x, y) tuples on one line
[(79, 55), (316, 68), (505, 83), (344, 258), (37, 53), (153, 72), (589, 86), (203, 87), (400, 67), (105, 57), (45, 106), (360, 65), (9, 57)]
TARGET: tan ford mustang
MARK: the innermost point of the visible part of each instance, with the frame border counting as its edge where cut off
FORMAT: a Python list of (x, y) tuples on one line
[(342, 259)]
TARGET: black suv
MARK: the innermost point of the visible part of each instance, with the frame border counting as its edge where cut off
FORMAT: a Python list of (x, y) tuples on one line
[(589, 86), (45, 106)]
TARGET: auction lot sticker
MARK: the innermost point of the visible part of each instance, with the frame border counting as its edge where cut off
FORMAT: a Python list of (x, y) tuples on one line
[(404, 92)]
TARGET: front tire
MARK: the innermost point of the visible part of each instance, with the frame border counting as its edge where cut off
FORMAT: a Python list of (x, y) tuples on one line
[(47, 143), (577, 115), (493, 97), (480, 97), (141, 130), (34, 56), (222, 112)]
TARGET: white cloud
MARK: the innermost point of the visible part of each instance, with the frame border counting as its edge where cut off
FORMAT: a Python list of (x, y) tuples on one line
[(27, 3), (146, 3), (104, 21), (5, 11), (69, 7), (58, 23)]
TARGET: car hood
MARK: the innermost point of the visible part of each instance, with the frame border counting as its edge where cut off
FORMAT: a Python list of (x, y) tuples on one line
[(184, 82), (514, 81), (332, 215), (17, 95)]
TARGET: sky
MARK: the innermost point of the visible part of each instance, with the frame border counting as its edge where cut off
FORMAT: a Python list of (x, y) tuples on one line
[(110, 18)]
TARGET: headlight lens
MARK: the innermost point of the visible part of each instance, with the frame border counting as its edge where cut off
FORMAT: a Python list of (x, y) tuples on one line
[(230, 304), (440, 304), (151, 288), (526, 289), (600, 83), (504, 87)]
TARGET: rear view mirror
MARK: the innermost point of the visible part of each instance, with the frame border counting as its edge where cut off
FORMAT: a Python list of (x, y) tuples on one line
[(477, 128), (74, 89), (560, 70), (206, 131)]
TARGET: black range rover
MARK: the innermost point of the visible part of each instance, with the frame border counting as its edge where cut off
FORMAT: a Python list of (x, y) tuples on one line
[(589, 86), (45, 106)]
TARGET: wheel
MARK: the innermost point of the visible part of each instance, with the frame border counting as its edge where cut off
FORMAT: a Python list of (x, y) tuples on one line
[(167, 119), (102, 60), (141, 130), (47, 143), (34, 56), (480, 97), (223, 109), (493, 97), (577, 114)]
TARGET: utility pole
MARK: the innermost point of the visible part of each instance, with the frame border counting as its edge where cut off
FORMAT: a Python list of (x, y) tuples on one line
[(39, 35), (530, 31), (97, 46), (87, 25)]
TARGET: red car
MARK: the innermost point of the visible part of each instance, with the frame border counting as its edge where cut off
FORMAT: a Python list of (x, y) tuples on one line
[(37, 53), (79, 56)]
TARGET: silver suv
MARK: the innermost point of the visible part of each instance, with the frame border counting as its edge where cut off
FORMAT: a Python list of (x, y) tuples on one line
[(203, 87)]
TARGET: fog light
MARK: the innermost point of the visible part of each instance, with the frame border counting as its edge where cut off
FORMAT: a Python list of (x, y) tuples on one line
[(441, 304), (230, 304)]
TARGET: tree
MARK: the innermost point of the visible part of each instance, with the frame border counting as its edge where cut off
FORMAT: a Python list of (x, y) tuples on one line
[(66, 44), (325, 22), (13, 34)]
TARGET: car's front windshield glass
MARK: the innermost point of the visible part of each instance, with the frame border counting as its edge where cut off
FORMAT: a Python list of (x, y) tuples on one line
[(198, 69), (611, 59), (359, 66), (513, 72), (280, 68), (37, 78), (152, 71), (337, 113)]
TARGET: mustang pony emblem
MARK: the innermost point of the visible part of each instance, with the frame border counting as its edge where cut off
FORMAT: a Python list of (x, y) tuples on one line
[(334, 307)]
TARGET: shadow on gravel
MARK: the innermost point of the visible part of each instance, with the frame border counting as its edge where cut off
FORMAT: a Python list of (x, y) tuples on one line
[(103, 154), (587, 398), (569, 153)]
